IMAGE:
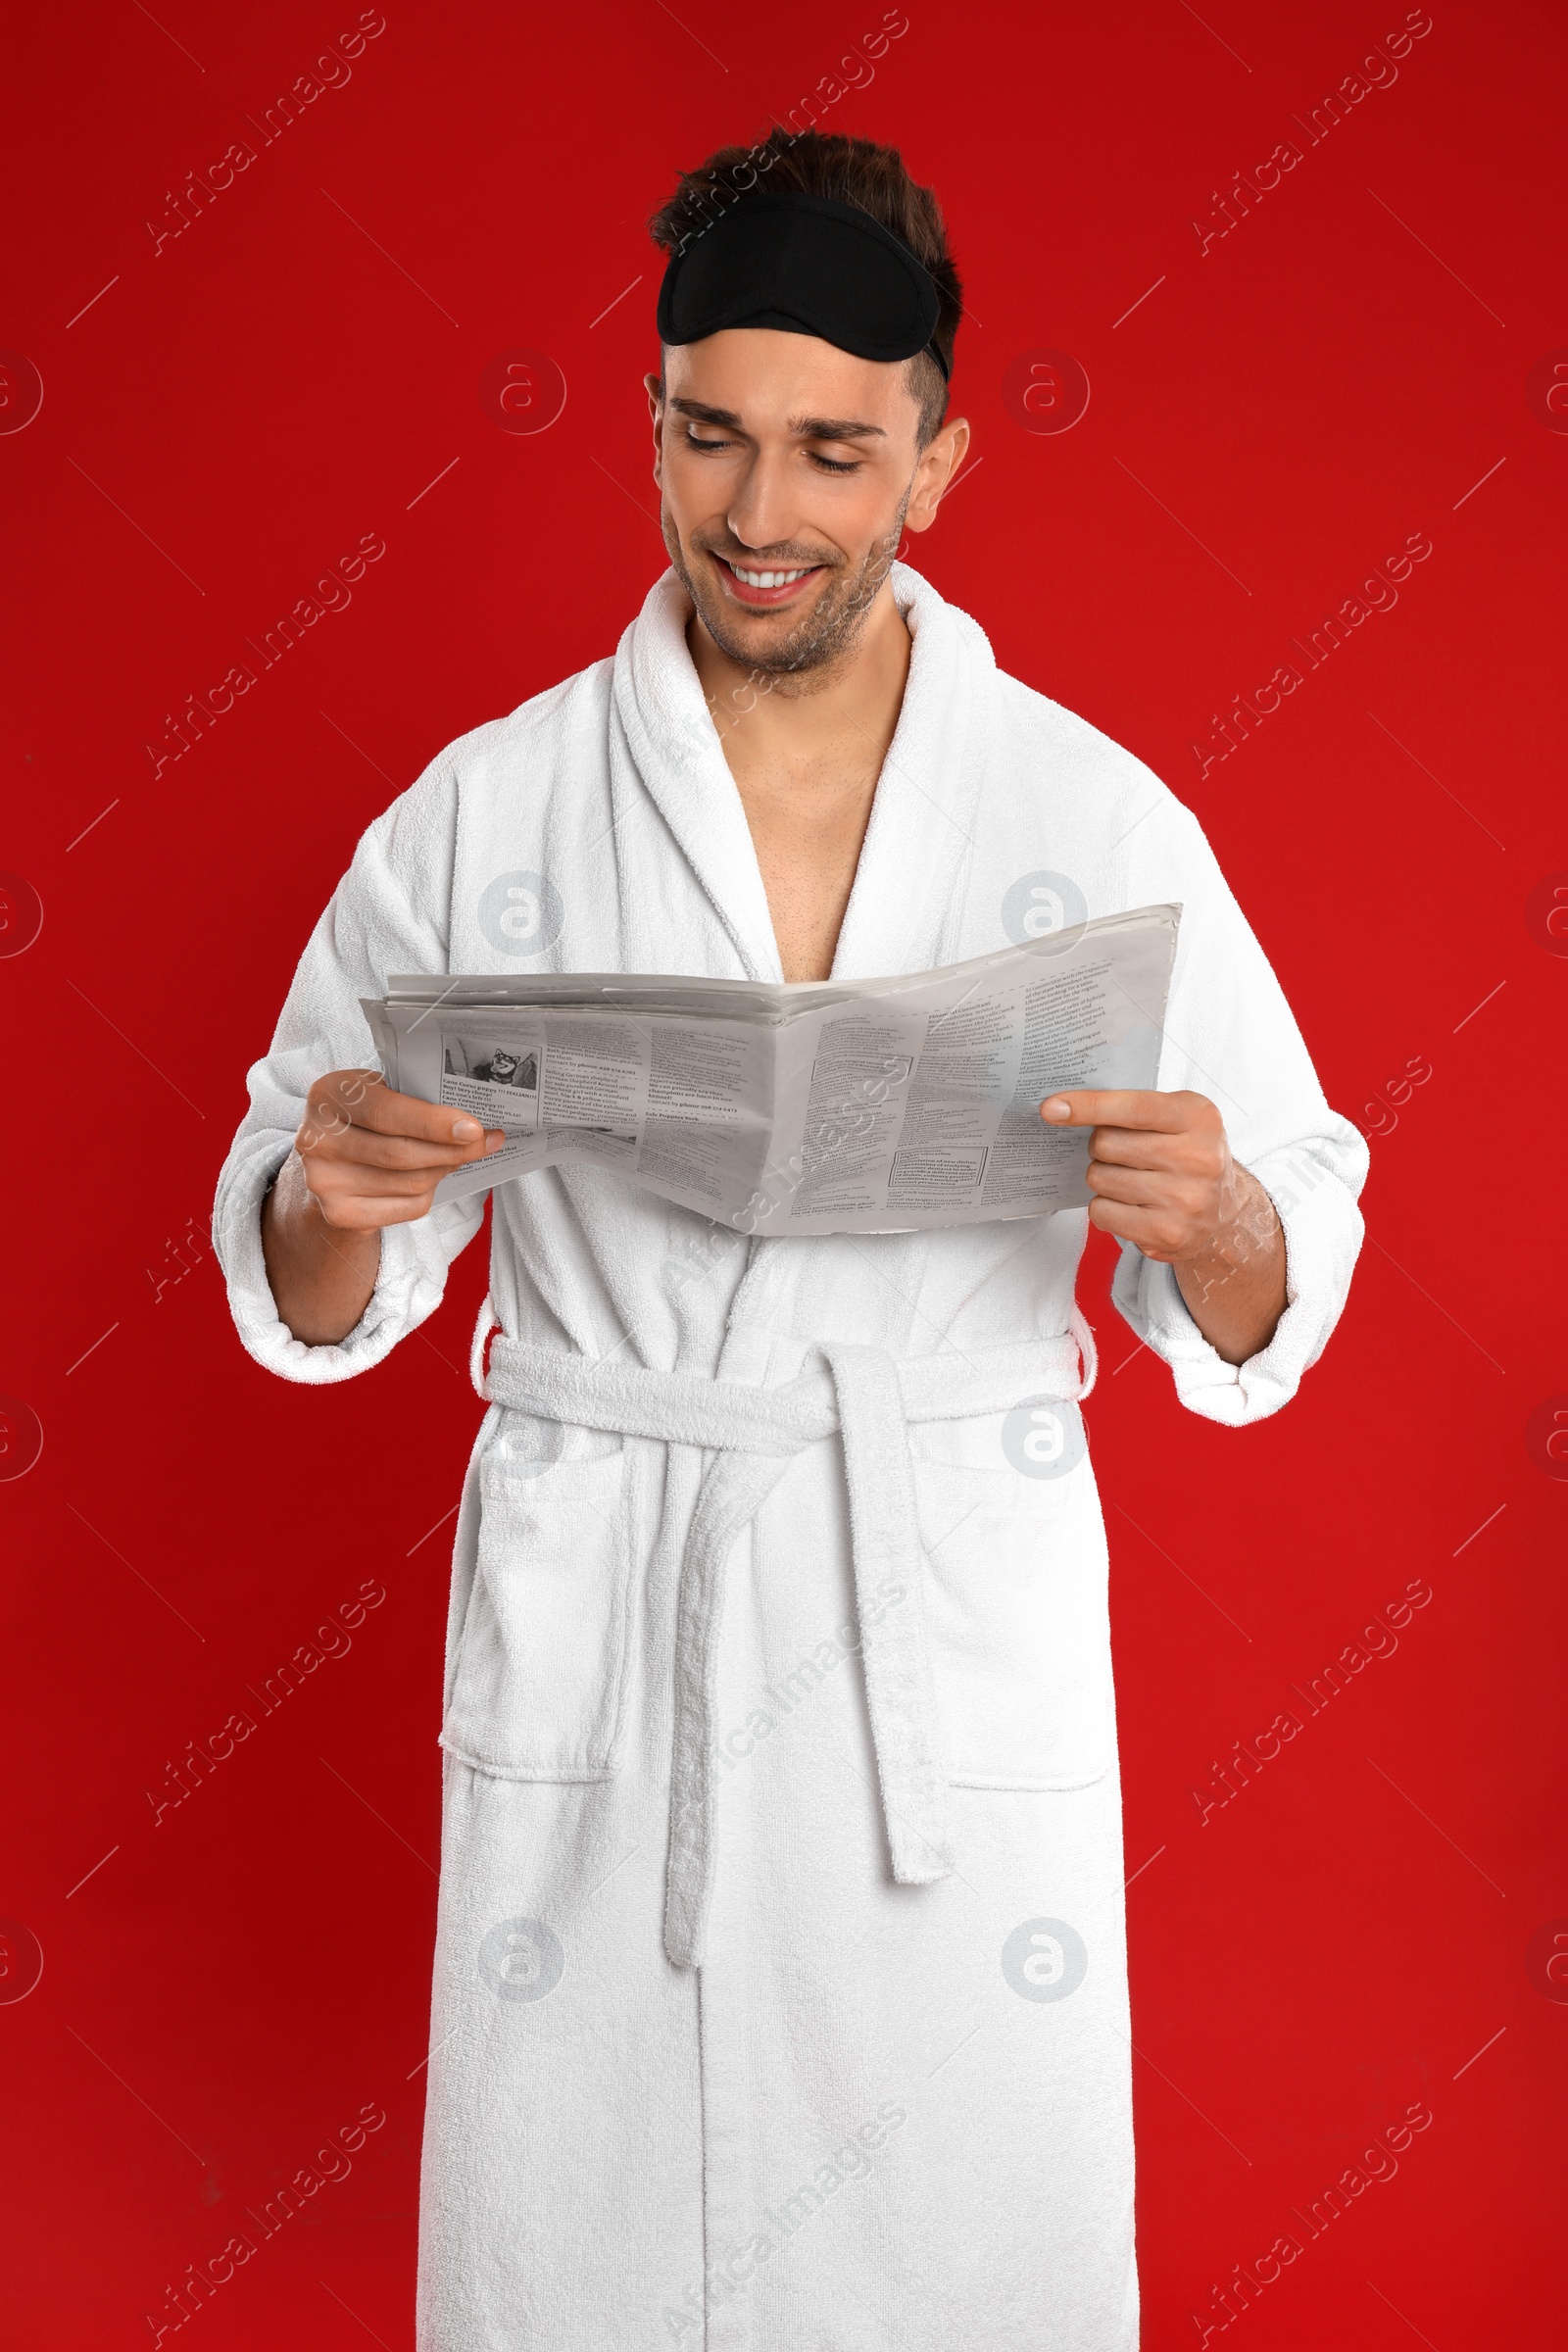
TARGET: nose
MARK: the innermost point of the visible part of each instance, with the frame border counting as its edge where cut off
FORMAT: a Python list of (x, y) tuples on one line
[(762, 514)]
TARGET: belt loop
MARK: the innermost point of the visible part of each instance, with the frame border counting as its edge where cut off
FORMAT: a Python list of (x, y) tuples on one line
[(484, 1330), (1080, 1331)]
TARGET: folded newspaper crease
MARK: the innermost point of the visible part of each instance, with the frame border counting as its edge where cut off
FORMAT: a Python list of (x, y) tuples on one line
[(828, 1106)]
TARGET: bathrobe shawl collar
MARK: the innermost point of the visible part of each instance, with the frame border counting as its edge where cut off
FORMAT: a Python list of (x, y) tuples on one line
[(902, 909)]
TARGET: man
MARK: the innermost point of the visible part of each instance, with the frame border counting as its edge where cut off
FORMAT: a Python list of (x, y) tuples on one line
[(780, 1998)]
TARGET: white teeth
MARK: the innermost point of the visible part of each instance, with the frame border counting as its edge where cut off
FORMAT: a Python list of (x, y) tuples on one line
[(769, 580)]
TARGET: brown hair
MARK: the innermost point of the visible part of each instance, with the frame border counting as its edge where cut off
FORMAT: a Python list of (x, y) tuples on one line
[(857, 172)]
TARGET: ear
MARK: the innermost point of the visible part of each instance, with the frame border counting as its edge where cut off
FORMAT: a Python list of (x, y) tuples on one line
[(940, 463), (655, 409)]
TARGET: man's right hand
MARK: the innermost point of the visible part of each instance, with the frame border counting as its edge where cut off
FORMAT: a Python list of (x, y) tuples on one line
[(365, 1157), (372, 1157)]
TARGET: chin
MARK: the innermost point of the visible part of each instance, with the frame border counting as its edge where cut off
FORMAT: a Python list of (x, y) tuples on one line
[(774, 627)]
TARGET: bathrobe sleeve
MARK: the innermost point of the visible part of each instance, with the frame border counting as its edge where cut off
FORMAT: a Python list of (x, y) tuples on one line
[(390, 913), (1230, 1035)]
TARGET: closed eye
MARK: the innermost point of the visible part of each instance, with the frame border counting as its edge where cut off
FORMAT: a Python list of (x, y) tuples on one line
[(826, 465)]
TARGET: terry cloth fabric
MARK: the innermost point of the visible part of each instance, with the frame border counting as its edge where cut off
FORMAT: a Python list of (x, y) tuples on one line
[(878, 2111), (869, 1399)]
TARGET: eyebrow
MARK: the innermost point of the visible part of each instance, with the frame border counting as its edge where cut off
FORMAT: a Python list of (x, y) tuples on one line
[(809, 428)]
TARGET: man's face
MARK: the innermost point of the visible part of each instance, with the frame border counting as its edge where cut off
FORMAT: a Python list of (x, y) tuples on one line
[(780, 455)]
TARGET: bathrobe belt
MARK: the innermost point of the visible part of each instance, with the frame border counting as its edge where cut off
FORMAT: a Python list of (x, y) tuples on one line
[(868, 1397)]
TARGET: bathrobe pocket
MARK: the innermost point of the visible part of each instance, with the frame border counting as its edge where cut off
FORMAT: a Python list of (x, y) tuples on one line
[(538, 1693), (1015, 1604)]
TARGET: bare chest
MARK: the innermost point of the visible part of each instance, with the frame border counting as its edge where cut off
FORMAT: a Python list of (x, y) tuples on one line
[(808, 832)]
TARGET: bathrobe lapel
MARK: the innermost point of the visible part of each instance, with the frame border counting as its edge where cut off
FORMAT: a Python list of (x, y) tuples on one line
[(663, 745), (904, 908)]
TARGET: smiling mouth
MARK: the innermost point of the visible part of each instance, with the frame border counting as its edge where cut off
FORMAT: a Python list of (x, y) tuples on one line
[(761, 585)]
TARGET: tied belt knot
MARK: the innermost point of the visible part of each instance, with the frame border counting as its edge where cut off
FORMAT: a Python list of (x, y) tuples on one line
[(868, 1397)]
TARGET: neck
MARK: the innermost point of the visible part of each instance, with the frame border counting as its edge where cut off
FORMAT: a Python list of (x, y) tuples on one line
[(806, 751)]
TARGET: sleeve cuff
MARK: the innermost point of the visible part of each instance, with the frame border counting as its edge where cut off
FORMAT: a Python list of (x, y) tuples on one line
[(1323, 1230), (414, 1258)]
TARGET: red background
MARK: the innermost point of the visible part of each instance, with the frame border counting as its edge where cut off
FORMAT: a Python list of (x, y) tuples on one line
[(228, 417)]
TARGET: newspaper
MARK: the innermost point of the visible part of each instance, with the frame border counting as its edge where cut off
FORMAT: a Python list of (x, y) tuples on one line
[(826, 1106)]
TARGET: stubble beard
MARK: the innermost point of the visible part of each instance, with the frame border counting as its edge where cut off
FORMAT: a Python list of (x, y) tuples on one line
[(823, 638)]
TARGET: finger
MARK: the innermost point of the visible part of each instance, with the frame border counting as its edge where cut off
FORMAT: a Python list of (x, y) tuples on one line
[(334, 1184), (360, 1147), (369, 1101), (336, 1138), (333, 1099), (1116, 1106), (1198, 1153), (1143, 1188), (1156, 1233), (1136, 1147), (358, 1216)]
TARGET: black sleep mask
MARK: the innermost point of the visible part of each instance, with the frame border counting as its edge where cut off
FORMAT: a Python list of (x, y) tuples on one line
[(808, 265)]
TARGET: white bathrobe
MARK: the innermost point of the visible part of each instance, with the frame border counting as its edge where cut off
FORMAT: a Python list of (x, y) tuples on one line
[(780, 1996)]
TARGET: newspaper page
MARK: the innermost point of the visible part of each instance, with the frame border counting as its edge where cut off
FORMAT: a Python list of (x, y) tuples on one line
[(826, 1106)]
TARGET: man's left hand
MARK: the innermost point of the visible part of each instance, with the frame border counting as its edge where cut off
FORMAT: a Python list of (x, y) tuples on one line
[(1162, 1178)]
